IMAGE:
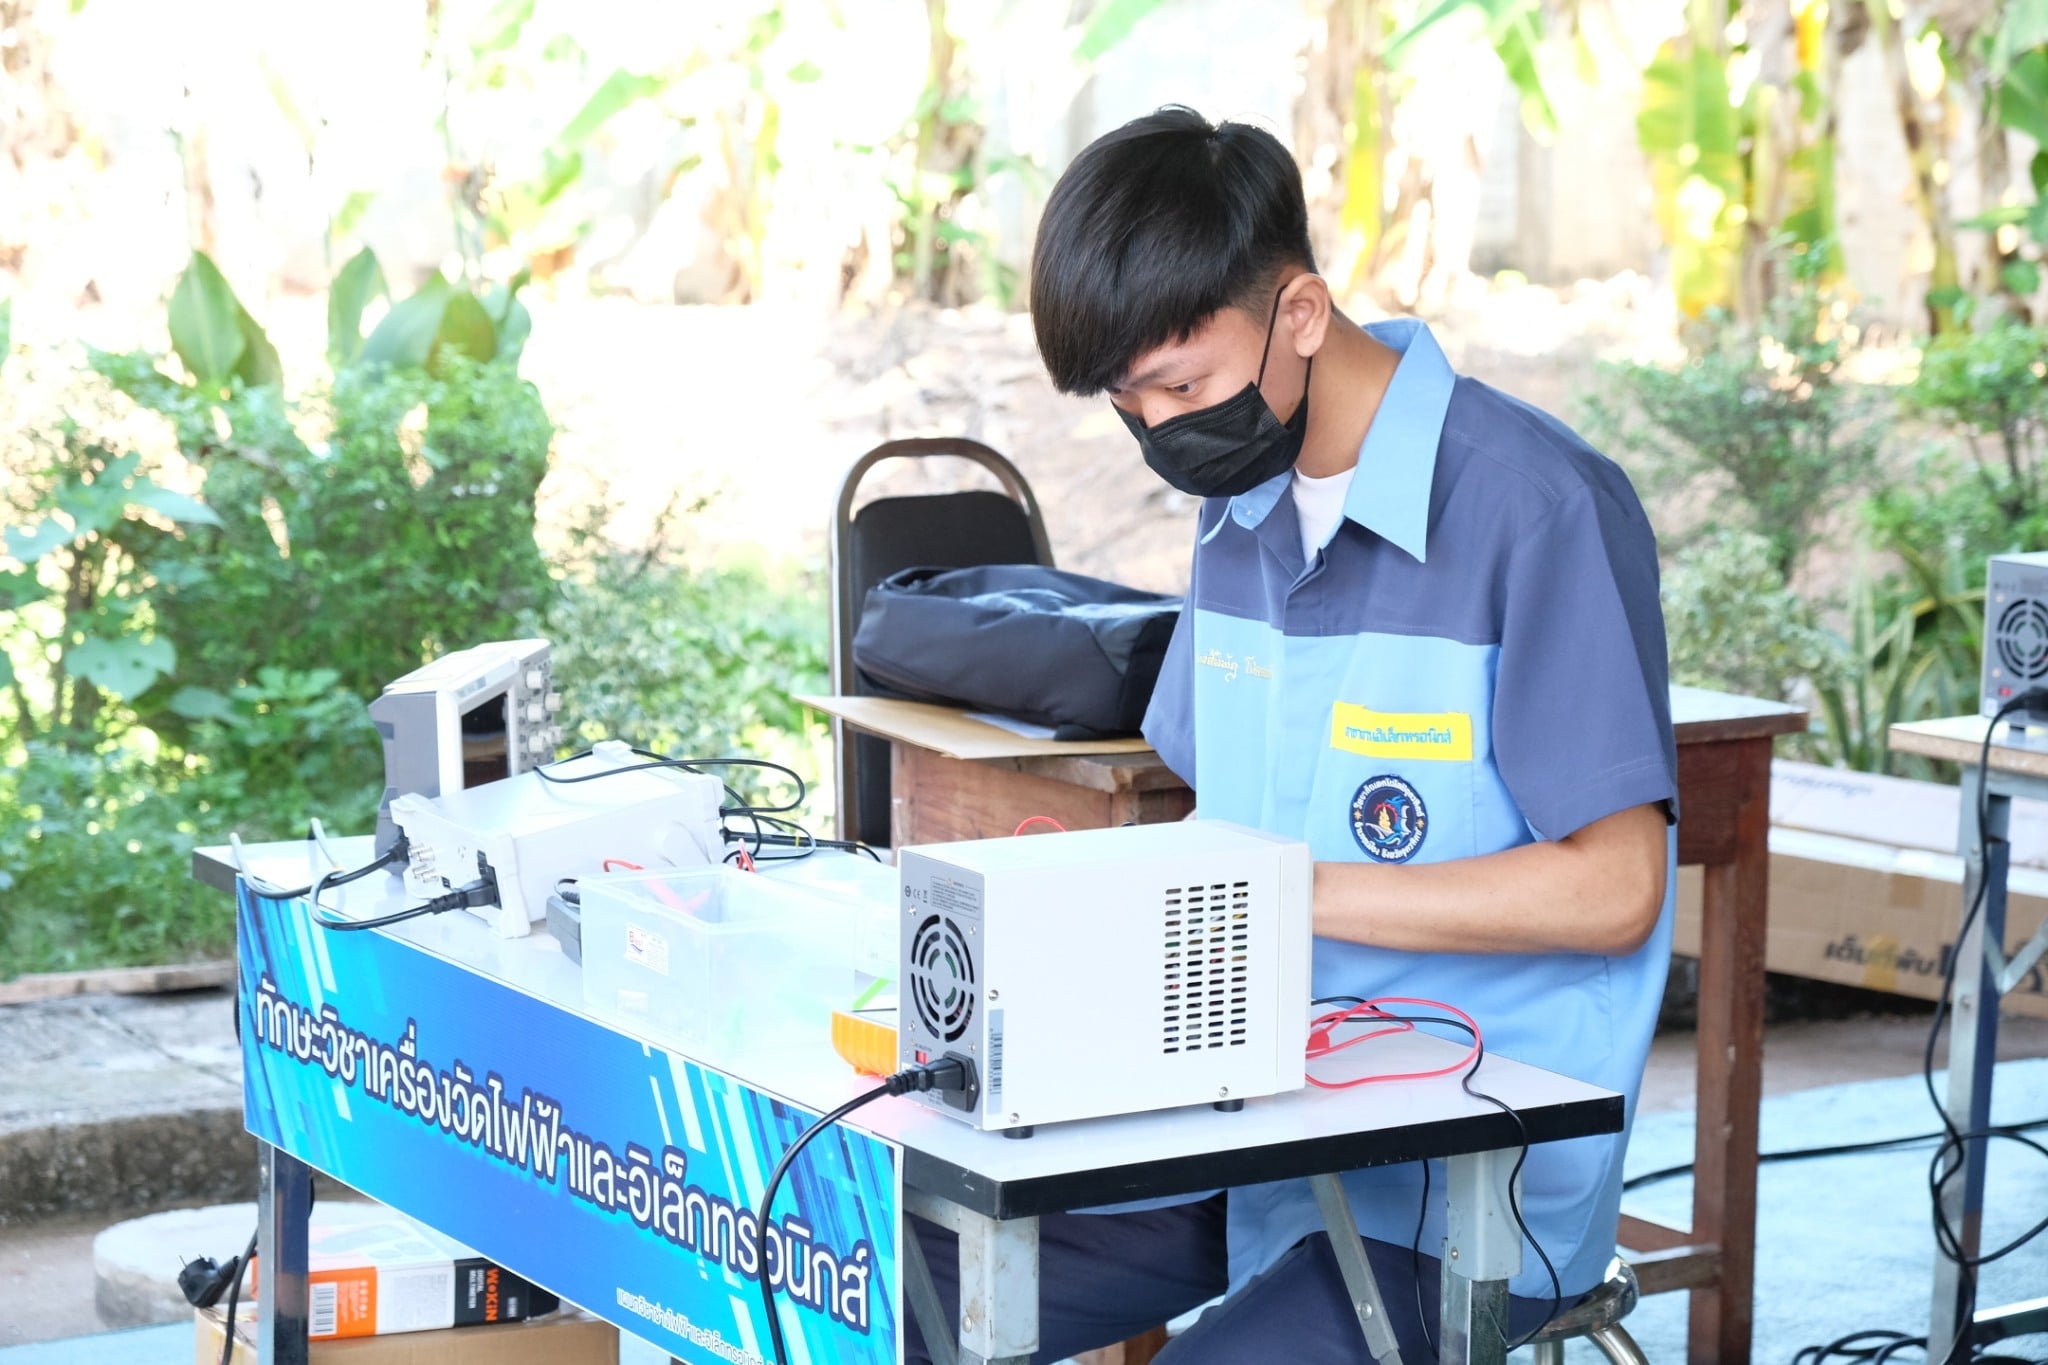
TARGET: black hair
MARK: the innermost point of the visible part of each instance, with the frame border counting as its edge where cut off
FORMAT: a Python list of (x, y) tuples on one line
[(1155, 228)]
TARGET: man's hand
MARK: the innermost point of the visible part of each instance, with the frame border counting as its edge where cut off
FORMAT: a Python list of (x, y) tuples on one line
[(1598, 890)]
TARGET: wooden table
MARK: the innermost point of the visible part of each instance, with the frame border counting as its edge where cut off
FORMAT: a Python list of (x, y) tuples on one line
[(1724, 785), (1724, 798)]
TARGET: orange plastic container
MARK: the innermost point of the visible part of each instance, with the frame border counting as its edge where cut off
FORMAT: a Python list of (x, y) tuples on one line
[(867, 1040)]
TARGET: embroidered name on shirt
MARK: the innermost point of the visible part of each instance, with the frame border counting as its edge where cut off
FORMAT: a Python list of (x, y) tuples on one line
[(1227, 664), (1444, 735)]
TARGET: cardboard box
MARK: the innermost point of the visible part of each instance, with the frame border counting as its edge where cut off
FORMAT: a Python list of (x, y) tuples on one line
[(1866, 886), (568, 1337)]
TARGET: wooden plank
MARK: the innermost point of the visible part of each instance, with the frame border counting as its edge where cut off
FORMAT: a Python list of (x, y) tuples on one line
[(1640, 1234), (1960, 739), (1699, 716), (1697, 1268), (1734, 914), (1116, 773), (937, 799), (950, 731), (190, 976), (1711, 790)]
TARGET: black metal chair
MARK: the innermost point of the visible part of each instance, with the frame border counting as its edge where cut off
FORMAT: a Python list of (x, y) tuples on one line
[(955, 530)]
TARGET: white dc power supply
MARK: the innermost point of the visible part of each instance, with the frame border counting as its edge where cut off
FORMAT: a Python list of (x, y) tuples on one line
[(1106, 971)]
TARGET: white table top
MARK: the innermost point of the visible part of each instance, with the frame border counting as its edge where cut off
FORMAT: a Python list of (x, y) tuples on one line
[(1065, 1165)]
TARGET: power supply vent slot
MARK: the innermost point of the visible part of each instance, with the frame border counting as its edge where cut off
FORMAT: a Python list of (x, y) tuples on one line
[(2022, 639), (1207, 946), (942, 978)]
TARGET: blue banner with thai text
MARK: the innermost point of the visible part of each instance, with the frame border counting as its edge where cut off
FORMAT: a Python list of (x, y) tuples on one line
[(617, 1175)]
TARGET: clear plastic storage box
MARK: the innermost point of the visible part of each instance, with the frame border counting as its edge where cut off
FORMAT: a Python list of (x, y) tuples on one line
[(717, 961)]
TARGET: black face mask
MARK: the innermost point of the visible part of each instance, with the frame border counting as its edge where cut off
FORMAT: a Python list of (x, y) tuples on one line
[(1231, 447)]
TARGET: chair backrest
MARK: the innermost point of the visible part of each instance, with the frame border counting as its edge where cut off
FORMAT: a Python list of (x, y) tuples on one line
[(949, 530)]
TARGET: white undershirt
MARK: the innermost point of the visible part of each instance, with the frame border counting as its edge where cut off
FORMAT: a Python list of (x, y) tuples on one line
[(1320, 505)]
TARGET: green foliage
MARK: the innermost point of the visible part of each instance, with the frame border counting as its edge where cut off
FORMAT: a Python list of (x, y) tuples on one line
[(215, 336), (1761, 416), (95, 864), (1733, 624), (689, 661), (409, 531), (1992, 382), (1912, 654), (88, 527)]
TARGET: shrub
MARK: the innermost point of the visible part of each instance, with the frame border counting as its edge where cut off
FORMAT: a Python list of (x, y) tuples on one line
[(1761, 417), (695, 661)]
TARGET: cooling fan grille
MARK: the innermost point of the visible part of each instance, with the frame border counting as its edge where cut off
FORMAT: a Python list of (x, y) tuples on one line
[(942, 978), (2021, 637)]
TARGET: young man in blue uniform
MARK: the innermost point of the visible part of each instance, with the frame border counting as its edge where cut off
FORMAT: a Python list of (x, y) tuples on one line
[(1422, 634)]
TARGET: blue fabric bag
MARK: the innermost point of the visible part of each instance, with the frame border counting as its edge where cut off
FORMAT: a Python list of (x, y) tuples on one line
[(1049, 647)]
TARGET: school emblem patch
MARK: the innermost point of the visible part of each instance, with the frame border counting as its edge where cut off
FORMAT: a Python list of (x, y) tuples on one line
[(1388, 819)]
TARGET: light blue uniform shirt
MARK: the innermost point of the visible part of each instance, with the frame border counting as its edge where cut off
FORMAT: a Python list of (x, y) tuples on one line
[(1474, 660)]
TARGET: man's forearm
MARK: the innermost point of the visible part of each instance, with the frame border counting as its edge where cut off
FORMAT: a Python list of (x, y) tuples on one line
[(1596, 891)]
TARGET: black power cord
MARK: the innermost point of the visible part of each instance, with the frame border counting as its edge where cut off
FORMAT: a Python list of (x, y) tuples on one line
[(951, 1072), (267, 891), (1835, 1149), (1515, 1175), (482, 891)]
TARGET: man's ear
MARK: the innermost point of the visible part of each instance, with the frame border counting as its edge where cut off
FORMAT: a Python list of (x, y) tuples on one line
[(1305, 303)]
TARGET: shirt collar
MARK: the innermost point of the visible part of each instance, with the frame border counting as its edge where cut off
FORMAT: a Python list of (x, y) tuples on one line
[(1389, 495)]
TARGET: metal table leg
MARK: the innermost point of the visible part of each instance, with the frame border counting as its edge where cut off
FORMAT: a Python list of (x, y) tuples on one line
[(1482, 1251), (1357, 1270), (1972, 1050), (998, 1281), (284, 1201)]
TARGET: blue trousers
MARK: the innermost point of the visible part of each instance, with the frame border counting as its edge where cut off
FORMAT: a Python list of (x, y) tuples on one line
[(1105, 1277)]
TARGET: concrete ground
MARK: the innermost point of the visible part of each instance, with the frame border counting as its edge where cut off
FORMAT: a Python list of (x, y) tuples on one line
[(157, 1071)]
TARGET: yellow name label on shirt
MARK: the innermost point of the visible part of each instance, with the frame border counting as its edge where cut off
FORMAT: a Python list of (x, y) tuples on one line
[(1443, 735)]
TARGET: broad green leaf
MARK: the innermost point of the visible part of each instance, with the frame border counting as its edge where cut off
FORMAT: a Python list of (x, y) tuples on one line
[(182, 508), (18, 588), (513, 323), (2005, 215), (559, 170), (2023, 97), (126, 667), (620, 90), (404, 340), (201, 703), (206, 323), (1514, 42), (467, 328), (38, 540), (259, 367), (352, 210), (1690, 135), (805, 73), (2024, 26), (2022, 277), (1110, 25), (501, 28), (1498, 13), (6, 680), (360, 282)]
